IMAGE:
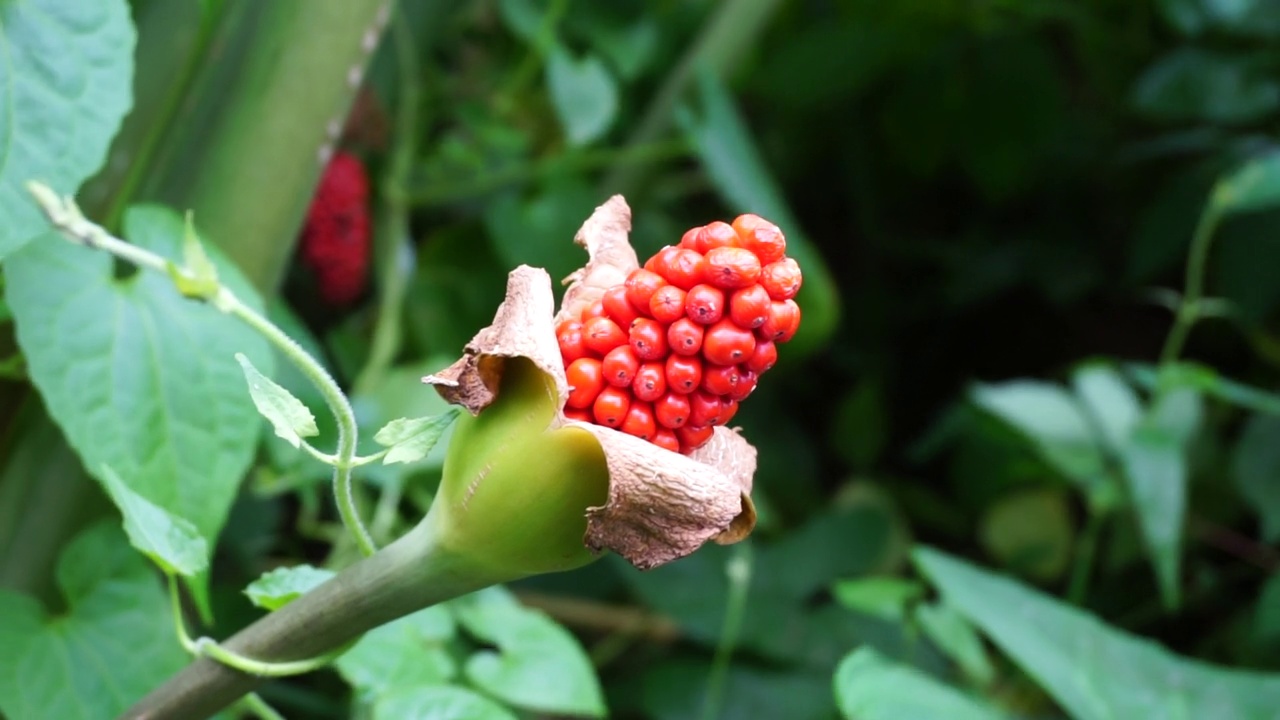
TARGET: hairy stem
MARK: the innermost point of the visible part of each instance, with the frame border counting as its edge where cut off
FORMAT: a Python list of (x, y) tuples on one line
[(1189, 307), (739, 572)]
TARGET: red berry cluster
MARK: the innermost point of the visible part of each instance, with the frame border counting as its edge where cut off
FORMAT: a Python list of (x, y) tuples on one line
[(336, 239), (668, 355)]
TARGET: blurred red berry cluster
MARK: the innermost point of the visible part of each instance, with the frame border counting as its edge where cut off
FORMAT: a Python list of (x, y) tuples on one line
[(336, 240), (668, 355)]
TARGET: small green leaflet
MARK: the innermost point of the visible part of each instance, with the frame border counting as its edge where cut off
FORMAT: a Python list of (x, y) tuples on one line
[(171, 542), (883, 597), (870, 686), (410, 439), (202, 281), (288, 416), (281, 586)]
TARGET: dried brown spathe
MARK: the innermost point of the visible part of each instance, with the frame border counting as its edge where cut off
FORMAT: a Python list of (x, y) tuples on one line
[(661, 505)]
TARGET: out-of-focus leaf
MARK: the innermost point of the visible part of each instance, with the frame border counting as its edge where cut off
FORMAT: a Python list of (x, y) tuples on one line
[(539, 230), (279, 587), (67, 84), (1254, 186), (883, 597), (951, 632), (438, 702), (1255, 465), (1030, 532), (1265, 629), (1093, 671), (112, 644), (1208, 381), (1193, 84), (870, 686), (676, 690), (1112, 404), (584, 94), (402, 656), (729, 155), (631, 46), (170, 541), (538, 664), (861, 425)]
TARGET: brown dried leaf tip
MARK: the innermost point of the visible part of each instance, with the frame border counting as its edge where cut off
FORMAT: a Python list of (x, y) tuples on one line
[(661, 505)]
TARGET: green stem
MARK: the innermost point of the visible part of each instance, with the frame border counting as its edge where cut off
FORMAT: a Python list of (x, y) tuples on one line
[(254, 703), (66, 217), (1086, 552), (543, 42), (739, 572), (1188, 312)]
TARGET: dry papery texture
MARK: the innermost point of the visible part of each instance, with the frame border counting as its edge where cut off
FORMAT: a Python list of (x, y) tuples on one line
[(661, 505)]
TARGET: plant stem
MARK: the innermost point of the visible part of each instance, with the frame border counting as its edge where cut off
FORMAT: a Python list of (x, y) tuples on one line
[(1086, 552), (1188, 311), (739, 571), (254, 703)]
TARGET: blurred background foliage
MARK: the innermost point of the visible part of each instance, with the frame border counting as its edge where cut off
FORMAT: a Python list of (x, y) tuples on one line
[(979, 193)]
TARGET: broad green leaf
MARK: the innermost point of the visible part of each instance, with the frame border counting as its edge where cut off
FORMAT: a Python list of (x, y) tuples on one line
[(291, 420), (1095, 672), (1155, 469), (279, 587), (1030, 532), (66, 82), (538, 664), (136, 376), (410, 439), (584, 94), (1193, 84), (870, 686), (112, 644), (676, 689), (1256, 468), (170, 541), (1051, 418), (1255, 186), (883, 597), (957, 638), (1208, 381), (439, 702), (729, 155), (407, 654), (1112, 404)]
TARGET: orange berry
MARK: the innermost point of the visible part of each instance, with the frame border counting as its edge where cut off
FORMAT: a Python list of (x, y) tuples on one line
[(594, 310), (727, 344), (704, 408), (665, 439), (667, 303), (684, 337), (579, 414), (690, 238), (760, 237), (611, 406), (586, 380), (672, 410), (692, 437), (728, 408), (732, 267), (569, 337), (704, 304), (684, 374), (681, 267), (650, 382), (720, 379), (746, 385), (617, 308), (639, 421), (782, 323), (641, 285), (763, 357), (648, 339), (619, 366), (600, 334), (749, 307), (781, 279), (714, 235)]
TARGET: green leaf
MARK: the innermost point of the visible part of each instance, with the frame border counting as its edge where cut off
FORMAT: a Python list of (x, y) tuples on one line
[(291, 420), (440, 702), (279, 587), (870, 686), (65, 85), (1113, 405), (1093, 671), (137, 377), (112, 644), (1256, 468), (957, 638), (402, 655), (410, 439), (1155, 469), (538, 664), (1208, 381), (584, 94), (170, 541), (883, 597), (1191, 84), (201, 277), (1030, 532), (1265, 629), (1254, 186)]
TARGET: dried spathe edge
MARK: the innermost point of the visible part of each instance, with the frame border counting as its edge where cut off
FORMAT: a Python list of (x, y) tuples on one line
[(661, 505)]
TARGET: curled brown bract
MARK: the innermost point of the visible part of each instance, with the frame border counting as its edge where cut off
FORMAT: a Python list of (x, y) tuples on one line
[(661, 505)]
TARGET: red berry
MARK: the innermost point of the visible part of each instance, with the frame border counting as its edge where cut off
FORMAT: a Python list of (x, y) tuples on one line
[(732, 267), (749, 306), (782, 323), (594, 310), (760, 237), (579, 414), (641, 285), (672, 410), (684, 337), (667, 303), (704, 304), (650, 382), (690, 238), (746, 385), (691, 437), (600, 334), (611, 406), (586, 380), (781, 279), (665, 439), (763, 357), (714, 235), (681, 267), (704, 408), (648, 339), (728, 408), (639, 421), (720, 379), (727, 344), (617, 307), (684, 374), (619, 366), (569, 337), (336, 242)]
